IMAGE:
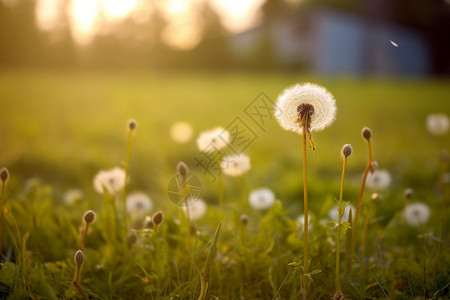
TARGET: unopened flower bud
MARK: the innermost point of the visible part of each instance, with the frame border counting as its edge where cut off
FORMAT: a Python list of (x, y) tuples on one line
[(408, 194), (79, 258), (244, 219), (346, 150), (182, 169), (4, 175), (89, 217), (132, 124), (366, 133), (158, 218)]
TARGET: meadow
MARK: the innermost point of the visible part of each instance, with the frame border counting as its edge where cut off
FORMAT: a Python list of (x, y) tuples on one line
[(59, 129)]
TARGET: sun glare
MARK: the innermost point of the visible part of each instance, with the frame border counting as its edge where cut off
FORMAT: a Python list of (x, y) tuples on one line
[(118, 9), (238, 15)]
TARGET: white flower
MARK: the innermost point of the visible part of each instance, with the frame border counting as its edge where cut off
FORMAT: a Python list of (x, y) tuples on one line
[(438, 124), (378, 180), (301, 222), (181, 132), (417, 213), (333, 213), (291, 98), (72, 196), (113, 180), (261, 199), (138, 204), (197, 208), (235, 165), (213, 140)]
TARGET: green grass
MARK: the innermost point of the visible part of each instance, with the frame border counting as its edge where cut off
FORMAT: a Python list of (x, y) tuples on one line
[(61, 128)]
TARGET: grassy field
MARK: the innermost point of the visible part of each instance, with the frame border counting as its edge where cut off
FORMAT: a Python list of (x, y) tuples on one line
[(60, 129)]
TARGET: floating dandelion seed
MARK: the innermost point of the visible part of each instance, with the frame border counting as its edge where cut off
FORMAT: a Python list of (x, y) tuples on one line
[(181, 132), (333, 213), (438, 124), (197, 208), (72, 196), (113, 180), (310, 98), (213, 140), (417, 214), (235, 165), (378, 180), (261, 199), (138, 204), (393, 43)]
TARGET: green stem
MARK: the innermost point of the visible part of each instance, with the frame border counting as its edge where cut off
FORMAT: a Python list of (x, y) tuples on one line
[(305, 226), (219, 184), (127, 166), (338, 231), (188, 218)]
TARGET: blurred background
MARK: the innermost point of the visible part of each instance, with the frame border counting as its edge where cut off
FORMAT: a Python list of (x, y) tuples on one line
[(72, 72), (324, 36)]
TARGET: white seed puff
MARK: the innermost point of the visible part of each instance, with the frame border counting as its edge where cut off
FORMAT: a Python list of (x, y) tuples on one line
[(291, 98)]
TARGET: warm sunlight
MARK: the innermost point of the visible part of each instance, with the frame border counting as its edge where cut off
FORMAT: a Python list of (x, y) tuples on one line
[(237, 15), (117, 9), (84, 20)]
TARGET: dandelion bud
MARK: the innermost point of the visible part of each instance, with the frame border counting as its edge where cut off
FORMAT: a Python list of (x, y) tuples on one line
[(346, 150), (4, 175), (79, 258), (408, 194), (89, 217), (373, 167), (244, 219), (366, 133), (148, 223), (182, 169), (132, 124), (158, 218)]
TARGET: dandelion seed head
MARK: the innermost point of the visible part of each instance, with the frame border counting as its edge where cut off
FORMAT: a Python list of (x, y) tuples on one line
[(366, 133), (301, 98), (346, 150), (235, 165), (417, 214), (181, 132), (4, 175), (158, 218), (378, 180), (333, 213), (113, 180), (261, 199), (79, 258), (213, 140), (89, 217), (438, 124), (197, 208), (138, 204), (244, 219)]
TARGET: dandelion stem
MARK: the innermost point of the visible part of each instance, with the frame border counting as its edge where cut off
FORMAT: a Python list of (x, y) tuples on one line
[(127, 166), (338, 231), (219, 184), (305, 208), (2, 203), (188, 217), (80, 290), (358, 203)]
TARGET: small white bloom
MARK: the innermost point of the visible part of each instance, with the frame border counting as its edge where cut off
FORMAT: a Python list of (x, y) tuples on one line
[(197, 208), (235, 165), (334, 214), (181, 132), (417, 214), (261, 199), (438, 124), (72, 196), (378, 180), (301, 223), (213, 140), (291, 98), (138, 204), (113, 180)]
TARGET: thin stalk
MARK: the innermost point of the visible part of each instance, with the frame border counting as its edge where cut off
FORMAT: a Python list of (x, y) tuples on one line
[(80, 290), (348, 246), (188, 217), (219, 184), (338, 231), (2, 203), (127, 166), (83, 236), (358, 203), (363, 246), (305, 211)]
